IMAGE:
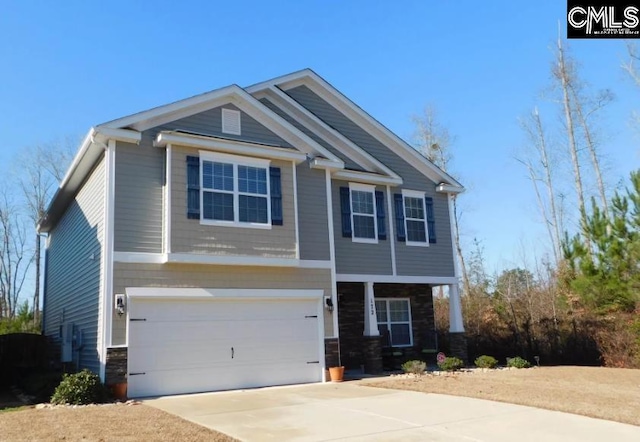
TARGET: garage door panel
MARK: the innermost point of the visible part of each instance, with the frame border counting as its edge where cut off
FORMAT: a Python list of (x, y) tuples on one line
[(185, 346)]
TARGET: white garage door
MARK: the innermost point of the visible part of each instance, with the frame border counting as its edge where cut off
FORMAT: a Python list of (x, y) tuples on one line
[(195, 345)]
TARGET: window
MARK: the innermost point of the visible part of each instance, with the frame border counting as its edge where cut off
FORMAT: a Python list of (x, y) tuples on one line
[(394, 321), (415, 218), (235, 190), (363, 213)]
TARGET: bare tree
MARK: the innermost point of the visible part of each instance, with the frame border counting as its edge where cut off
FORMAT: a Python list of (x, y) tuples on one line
[(43, 167), (15, 258), (434, 142), (541, 172), (630, 66)]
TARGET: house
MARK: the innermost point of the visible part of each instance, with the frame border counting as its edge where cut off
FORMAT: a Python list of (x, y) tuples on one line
[(247, 237)]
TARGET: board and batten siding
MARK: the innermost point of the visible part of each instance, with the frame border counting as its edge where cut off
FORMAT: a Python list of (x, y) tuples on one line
[(312, 213), (355, 257), (206, 276), (74, 269), (189, 236), (138, 212), (435, 260)]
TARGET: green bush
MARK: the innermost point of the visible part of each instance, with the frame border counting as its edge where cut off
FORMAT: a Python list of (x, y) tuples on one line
[(518, 362), (80, 389), (415, 367), (486, 361), (451, 363)]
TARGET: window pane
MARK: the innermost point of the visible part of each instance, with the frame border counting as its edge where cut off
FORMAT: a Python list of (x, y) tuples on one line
[(217, 176), (363, 227), (252, 209), (400, 334), (217, 206), (399, 311), (252, 180), (414, 208), (362, 202), (381, 311), (416, 231)]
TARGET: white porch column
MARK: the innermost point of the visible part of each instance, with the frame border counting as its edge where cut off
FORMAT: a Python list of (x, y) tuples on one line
[(370, 318), (455, 310)]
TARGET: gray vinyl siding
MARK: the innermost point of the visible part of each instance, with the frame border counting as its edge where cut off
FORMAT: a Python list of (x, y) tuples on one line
[(210, 123), (139, 197), (348, 163), (74, 267), (312, 213), (359, 258), (436, 260), (206, 276), (189, 236)]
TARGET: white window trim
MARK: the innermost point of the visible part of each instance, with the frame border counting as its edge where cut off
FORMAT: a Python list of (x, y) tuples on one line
[(364, 188), (388, 321), (231, 115), (235, 161), (421, 195)]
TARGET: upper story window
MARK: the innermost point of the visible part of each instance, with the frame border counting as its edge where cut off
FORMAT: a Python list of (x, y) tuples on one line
[(363, 214), (415, 222), (231, 190), (231, 122)]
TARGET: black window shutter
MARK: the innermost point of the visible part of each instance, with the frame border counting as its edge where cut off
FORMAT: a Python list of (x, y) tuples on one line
[(382, 228), (431, 220), (193, 187), (345, 206), (397, 198), (276, 196)]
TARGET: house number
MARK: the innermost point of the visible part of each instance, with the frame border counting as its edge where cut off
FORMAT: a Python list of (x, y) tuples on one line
[(371, 307)]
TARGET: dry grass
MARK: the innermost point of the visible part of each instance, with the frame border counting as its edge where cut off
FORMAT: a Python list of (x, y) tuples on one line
[(102, 423), (605, 393)]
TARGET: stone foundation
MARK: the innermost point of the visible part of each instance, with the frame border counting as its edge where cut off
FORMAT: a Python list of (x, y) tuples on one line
[(331, 352), (116, 366), (373, 354), (458, 346)]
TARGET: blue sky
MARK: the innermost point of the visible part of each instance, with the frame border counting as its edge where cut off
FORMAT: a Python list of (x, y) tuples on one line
[(69, 65)]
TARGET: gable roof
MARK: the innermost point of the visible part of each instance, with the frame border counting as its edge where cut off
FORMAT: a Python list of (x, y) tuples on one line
[(335, 98)]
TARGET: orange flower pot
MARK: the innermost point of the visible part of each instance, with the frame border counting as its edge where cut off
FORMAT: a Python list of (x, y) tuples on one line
[(119, 390), (336, 374)]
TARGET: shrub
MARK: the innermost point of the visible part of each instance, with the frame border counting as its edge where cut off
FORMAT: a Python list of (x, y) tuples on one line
[(80, 389), (415, 367), (518, 362), (486, 361), (451, 363)]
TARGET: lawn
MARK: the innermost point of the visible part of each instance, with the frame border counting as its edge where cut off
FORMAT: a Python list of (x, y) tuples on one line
[(605, 393), (102, 423)]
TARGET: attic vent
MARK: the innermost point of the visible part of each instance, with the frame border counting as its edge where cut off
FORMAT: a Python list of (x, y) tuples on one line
[(231, 121)]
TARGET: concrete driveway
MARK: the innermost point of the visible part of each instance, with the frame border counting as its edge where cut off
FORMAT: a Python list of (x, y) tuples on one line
[(352, 412)]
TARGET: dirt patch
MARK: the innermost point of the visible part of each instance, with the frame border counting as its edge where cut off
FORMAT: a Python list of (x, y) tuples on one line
[(102, 423), (605, 393)]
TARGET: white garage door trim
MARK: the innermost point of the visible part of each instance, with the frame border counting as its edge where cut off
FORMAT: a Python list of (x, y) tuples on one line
[(148, 294)]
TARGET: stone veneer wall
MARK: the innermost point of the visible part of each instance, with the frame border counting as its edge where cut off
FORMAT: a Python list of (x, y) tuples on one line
[(357, 350), (331, 352), (116, 365), (458, 346)]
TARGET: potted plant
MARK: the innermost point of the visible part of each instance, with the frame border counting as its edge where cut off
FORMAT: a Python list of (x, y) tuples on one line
[(336, 373)]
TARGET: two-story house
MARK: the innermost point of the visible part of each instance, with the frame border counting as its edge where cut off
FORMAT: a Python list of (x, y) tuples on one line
[(247, 237)]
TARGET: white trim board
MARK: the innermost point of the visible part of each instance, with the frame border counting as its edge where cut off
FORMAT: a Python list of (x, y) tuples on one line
[(171, 292), (398, 279), (193, 258)]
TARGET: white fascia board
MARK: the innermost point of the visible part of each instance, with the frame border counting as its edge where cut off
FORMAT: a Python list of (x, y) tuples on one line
[(193, 258), (366, 177), (238, 147), (447, 188), (398, 279), (209, 293), (335, 98), (104, 134), (320, 128), (321, 163)]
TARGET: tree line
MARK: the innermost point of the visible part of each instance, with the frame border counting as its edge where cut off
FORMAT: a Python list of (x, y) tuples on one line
[(579, 303)]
